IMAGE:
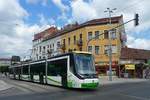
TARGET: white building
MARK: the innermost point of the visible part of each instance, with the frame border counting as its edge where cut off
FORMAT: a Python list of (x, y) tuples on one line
[(5, 62), (44, 46)]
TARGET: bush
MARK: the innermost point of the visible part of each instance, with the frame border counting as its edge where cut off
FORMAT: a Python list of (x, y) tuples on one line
[(4, 69)]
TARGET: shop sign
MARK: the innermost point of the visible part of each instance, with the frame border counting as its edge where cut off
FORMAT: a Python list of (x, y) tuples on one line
[(130, 67)]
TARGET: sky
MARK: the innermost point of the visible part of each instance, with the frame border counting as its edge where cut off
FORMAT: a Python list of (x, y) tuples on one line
[(21, 19)]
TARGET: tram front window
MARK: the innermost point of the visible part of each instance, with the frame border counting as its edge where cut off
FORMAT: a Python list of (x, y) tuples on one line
[(85, 65)]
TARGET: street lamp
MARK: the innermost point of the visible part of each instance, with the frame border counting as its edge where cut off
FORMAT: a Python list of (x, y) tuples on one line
[(110, 11)]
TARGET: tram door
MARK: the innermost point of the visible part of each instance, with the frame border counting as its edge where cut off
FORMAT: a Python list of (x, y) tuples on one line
[(64, 72), (57, 71)]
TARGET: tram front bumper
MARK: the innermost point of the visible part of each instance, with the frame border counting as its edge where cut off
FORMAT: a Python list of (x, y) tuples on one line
[(90, 84)]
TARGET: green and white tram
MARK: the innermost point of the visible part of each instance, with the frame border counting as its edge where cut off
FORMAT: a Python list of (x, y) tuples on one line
[(72, 70)]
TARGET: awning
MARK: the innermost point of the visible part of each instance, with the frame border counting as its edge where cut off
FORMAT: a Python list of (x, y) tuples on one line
[(130, 66)]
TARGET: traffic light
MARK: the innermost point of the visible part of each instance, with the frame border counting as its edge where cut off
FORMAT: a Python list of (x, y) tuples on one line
[(136, 20)]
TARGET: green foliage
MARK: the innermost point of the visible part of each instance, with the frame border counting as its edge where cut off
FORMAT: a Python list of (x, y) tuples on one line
[(4, 69)]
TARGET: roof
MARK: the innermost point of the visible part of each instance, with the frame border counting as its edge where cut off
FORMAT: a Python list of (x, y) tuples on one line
[(132, 53), (75, 26), (44, 33)]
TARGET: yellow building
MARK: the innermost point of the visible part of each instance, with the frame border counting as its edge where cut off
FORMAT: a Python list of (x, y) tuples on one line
[(76, 37)]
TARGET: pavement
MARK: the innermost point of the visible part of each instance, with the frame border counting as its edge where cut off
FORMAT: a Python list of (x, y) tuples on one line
[(4, 85), (117, 89), (104, 80), (32, 91)]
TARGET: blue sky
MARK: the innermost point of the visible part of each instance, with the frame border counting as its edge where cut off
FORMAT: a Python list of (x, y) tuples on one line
[(49, 11), (21, 19)]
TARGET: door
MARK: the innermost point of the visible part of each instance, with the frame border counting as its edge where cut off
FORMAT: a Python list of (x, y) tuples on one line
[(64, 72)]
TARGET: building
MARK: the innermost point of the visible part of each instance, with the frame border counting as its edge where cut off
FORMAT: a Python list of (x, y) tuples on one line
[(80, 37), (42, 45), (5, 62), (134, 61)]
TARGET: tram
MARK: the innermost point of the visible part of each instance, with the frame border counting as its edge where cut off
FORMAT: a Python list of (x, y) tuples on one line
[(71, 70)]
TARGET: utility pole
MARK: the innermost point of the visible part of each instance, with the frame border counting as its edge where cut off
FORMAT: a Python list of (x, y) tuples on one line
[(109, 11)]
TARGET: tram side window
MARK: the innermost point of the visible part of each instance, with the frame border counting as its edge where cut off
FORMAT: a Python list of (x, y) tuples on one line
[(57, 68), (17, 70), (25, 70), (37, 69), (11, 71)]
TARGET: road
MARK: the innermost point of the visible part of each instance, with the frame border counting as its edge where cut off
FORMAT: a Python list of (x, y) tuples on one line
[(22, 90)]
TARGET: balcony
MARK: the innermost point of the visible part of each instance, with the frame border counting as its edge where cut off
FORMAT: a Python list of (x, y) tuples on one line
[(80, 42)]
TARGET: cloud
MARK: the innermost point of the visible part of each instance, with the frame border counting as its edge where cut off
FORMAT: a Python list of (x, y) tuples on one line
[(140, 43), (83, 10), (60, 5), (16, 35), (45, 21), (43, 2)]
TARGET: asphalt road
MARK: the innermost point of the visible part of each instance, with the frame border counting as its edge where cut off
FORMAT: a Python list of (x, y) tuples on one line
[(30, 91)]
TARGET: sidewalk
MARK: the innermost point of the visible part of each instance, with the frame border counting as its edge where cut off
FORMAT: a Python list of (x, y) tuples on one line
[(104, 80), (4, 86)]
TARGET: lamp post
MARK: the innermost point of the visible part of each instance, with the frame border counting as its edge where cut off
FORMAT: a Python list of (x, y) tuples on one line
[(109, 11)]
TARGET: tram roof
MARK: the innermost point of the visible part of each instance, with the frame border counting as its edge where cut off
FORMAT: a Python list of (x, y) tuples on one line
[(43, 60)]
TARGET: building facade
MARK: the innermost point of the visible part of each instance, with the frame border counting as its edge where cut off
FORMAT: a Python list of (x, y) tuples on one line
[(5, 62), (91, 36), (133, 62)]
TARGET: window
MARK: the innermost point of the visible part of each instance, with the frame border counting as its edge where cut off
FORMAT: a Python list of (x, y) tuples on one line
[(69, 41), (81, 36), (58, 44), (114, 49), (106, 49), (96, 34), (89, 48), (106, 34), (96, 50), (57, 67), (43, 49), (64, 41), (89, 35), (40, 48), (113, 34), (74, 38)]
